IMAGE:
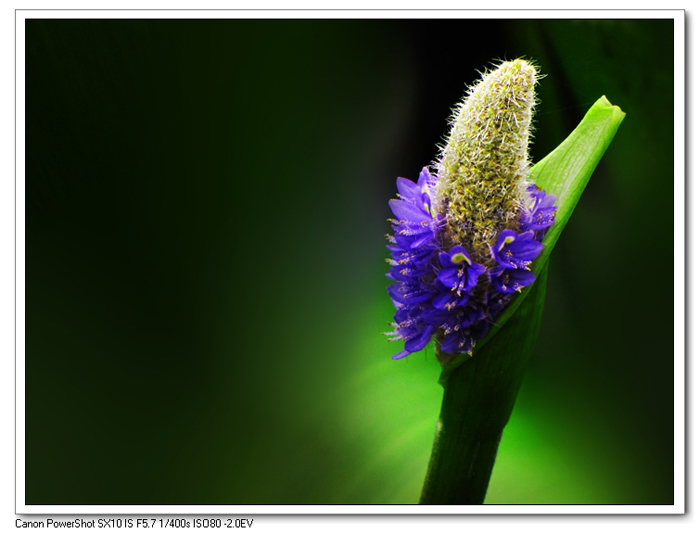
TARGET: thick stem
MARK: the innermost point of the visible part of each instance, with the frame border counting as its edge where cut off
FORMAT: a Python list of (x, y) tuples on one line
[(479, 397)]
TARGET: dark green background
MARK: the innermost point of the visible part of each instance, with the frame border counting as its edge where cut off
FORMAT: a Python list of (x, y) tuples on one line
[(206, 205)]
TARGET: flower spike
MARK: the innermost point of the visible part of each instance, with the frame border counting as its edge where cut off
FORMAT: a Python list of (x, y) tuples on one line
[(465, 237)]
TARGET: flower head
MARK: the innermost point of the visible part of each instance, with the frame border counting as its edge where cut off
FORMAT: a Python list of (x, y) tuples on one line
[(464, 239), (483, 167)]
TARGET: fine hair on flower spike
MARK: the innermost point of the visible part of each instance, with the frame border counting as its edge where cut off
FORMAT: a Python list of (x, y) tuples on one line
[(466, 234)]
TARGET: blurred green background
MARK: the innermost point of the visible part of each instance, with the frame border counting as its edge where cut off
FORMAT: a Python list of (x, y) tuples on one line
[(206, 205)]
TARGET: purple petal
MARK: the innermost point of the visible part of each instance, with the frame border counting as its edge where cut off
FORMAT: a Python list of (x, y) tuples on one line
[(524, 250), (406, 293), (445, 299), (496, 303), (542, 218), (424, 179), (425, 202), (436, 317), (419, 342), (548, 202), (400, 273), (510, 280), (471, 315), (464, 300), (459, 255), (515, 250), (449, 277), (455, 256), (445, 260), (473, 273), (523, 278), (404, 241), (422, 241), (401, 355), (405, 211), (408, 189), (451, 342), (457, 341), (505, 237)]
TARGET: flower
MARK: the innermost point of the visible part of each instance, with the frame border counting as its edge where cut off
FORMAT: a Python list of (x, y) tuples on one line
[(465, 237), (511, 279), (414, 246), (541, 215), (515, 250), (458, 276)]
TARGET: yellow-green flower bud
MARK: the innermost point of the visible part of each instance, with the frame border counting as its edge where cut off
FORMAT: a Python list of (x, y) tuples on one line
[(484, 165)]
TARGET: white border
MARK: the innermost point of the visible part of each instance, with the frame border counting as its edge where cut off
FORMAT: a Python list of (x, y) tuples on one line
[(218, 510), (20, 265), (679, 262)]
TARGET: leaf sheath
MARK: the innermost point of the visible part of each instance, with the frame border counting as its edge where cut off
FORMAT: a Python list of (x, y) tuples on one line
[(477, 403)]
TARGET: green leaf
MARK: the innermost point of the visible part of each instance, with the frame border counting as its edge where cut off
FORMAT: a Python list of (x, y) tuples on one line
[(565, 173)]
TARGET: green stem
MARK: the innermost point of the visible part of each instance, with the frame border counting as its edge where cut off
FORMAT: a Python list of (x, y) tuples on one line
[(477, 403)]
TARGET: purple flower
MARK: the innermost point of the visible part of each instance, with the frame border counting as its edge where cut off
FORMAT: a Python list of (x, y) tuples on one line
[(511, 279), (416, 223), (410, 328), (458, 272), (458, 276), (414, 251), (447, 293), (515, 250), (411, 291), (542, 213), (457, 327), (460, 341), (450, 321), (497, 302)]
